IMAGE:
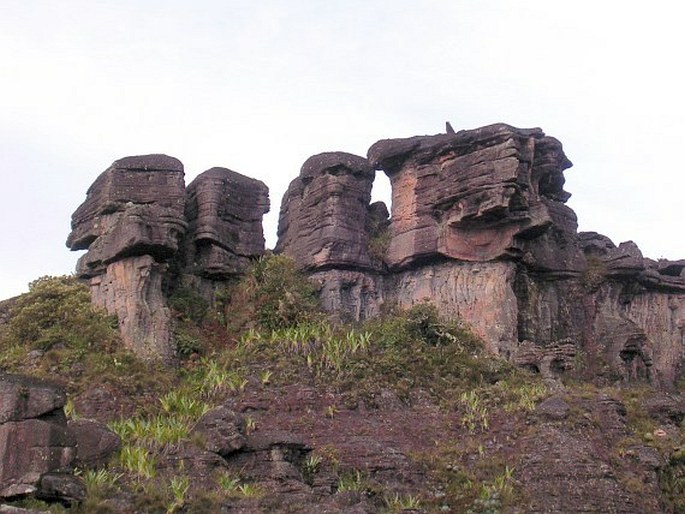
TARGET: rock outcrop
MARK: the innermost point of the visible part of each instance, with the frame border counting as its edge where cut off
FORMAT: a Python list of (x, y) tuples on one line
[(37, 449), (224, 211), (479, 227), (138, 222), (325, 214)]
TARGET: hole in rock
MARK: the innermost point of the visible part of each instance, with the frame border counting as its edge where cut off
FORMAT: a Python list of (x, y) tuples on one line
[(557, 366), (381, 190)]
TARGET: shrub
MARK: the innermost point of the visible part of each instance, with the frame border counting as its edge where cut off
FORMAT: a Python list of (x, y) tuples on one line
[(57, 310), (276, 292)]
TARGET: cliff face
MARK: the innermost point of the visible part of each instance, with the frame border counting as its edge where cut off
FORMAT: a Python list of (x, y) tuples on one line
[(479, 227), (138, 218)]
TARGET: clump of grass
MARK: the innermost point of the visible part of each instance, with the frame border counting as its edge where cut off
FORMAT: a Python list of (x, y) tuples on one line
[(398, 503), (475, 416), (211, 379), (352, 481), (137, 460), (178, 489), (233, 486), (184, 404), (152, 433)]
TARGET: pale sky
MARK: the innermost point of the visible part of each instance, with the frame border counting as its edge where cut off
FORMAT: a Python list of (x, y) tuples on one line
[(258, 86)]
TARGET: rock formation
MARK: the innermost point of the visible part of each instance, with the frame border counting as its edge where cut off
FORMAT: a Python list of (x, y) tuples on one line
[(479, 227), (224, 211), (138, 220), (32, 418)]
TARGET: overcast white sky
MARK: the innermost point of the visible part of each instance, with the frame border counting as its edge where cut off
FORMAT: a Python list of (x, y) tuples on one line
[(259, 86)]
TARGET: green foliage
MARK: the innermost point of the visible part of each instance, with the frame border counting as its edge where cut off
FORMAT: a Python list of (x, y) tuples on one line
[(188, 304), (137, 460), (399, 503), (152, 433), (184, 404), (594, 273), (475, 415), (58, 311), (178, 489), (352, 481), (276, 292), (100, 482), (672, 481)]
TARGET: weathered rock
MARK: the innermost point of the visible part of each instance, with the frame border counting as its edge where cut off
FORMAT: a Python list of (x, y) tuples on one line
[(467, 195), (131, 289), (23, 397), (135, 207), (325, 215), (553, 408), (62, 487), (221, 431), (131, 223), (34, 437), (224, 210), (95, 443), (480, 229)]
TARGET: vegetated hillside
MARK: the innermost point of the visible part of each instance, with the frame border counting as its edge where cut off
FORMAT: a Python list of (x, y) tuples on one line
[(272, 408)]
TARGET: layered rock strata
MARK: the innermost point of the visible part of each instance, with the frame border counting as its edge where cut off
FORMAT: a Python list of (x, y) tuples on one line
[(138, 221), (479, 227), (325, 213), (37, 449)]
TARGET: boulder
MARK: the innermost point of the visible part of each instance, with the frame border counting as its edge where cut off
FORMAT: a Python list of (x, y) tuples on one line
[(135, 207), (34, 437), (468, 195), (95, 443), (221, 431), (23, 397)]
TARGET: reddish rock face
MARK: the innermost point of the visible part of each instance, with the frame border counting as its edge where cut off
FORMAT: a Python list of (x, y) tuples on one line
[(325, 213), (224, 211), (468, 195)]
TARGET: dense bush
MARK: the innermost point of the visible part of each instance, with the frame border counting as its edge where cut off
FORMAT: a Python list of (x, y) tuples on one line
[(58, 311), (274, 294)]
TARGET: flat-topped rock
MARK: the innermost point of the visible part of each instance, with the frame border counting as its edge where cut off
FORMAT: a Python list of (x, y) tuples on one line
[(135, 207), (468, 195)]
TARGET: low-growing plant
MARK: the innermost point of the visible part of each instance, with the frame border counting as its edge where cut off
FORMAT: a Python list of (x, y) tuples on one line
[(178, 487), (184, 404), (475, 416), (228, 483), (57, 311), (100, 482), (399, 503), (152, 433), (352, 481), (138, 461), (250, 490)]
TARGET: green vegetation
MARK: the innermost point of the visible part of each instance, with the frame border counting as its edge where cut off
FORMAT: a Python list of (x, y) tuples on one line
[(267, 335)]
